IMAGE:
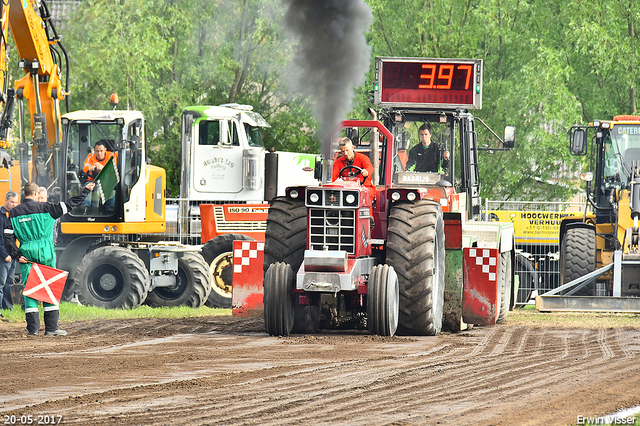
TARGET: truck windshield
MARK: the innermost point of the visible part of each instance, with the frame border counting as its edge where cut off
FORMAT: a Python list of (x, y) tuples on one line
[(82, 138), (621, 149), (253, 135)]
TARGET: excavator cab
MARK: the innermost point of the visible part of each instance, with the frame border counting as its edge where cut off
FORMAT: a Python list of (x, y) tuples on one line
[(122, 134)]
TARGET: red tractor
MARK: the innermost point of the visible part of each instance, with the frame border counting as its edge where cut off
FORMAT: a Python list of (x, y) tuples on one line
[(415, 258)]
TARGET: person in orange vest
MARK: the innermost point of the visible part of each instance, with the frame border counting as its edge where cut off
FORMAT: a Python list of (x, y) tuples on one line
[(96, 161), (92, 166), (351, 158)]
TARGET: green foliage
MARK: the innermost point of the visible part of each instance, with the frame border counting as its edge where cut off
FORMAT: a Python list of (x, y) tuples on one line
[(547, 65)]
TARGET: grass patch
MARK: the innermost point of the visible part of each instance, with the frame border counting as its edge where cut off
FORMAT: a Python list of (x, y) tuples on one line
[(529, 316), (73, 312)]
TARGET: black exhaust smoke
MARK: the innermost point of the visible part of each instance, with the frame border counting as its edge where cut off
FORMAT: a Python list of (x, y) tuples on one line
[(331, 58)]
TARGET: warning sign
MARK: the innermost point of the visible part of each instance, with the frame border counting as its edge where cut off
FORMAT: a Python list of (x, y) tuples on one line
[(533, 227)]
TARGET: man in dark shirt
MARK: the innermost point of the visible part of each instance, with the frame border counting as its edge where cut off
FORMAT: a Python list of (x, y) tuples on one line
[(426, 155), (8, 251)]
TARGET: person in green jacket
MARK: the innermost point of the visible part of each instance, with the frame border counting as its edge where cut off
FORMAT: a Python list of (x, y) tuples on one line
[(32, 223)]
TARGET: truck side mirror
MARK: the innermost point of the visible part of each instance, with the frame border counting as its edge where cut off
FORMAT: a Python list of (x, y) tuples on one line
[(509, 137), (578, 141), (317, 169)]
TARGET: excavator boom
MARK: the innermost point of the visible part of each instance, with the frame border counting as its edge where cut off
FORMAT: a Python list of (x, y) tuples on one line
[(41, 56)]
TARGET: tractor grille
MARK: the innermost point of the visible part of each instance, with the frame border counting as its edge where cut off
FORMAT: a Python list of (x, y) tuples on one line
[(332, 229)]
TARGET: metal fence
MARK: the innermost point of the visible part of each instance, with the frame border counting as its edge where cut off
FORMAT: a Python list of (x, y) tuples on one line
[(537, 230)]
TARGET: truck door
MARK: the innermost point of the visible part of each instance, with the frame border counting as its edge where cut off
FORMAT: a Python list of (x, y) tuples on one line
[(217, 157)]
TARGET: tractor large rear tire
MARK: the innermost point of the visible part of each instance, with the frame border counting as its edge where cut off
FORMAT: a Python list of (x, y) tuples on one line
[(111, 277), (415, 249), (218, 253), (192, 288), (278, 300), (578, 257), (505, 280), (286, 234), (383, 301)]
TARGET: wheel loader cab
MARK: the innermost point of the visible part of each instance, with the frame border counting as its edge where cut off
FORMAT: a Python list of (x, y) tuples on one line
[(122, 134)]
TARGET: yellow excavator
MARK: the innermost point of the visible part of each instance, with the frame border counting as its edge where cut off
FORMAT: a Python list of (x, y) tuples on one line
[(111, 246), (42, 58)]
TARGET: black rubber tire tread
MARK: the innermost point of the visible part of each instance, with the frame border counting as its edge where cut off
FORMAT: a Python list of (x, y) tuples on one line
[(306, 318), (135, 282), (578, 258), (286, 234), (504, 277), (415, 235), (382, 301), (193, 293), (528, 279), (213, 249), (278, 299)]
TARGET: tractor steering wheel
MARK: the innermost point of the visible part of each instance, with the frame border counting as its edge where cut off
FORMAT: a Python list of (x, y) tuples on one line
[(357, 171)]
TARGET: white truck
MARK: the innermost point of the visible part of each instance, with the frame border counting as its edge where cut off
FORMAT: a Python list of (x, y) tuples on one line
[(227, 179)]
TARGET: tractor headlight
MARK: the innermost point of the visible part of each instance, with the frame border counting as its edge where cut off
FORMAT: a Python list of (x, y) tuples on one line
[(411, 196), (395, 196), (294, 193), (350, 199), (314, 197)]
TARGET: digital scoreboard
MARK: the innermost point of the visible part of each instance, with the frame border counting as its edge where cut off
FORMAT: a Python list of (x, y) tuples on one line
[(428, 83)]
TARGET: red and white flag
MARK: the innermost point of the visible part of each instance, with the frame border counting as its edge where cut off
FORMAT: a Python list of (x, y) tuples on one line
[(45, 283)]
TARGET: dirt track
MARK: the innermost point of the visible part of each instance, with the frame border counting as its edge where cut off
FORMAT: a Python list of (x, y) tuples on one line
[(224, 370)]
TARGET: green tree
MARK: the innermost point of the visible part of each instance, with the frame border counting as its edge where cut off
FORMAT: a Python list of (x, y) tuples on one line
[(162, 56)]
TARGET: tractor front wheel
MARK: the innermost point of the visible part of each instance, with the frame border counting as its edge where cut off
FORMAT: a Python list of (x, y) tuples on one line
[(278, 299), (383, 301)]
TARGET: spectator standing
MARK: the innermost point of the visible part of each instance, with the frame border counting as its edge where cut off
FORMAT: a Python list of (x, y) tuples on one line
[(9, 253), (32, 223)]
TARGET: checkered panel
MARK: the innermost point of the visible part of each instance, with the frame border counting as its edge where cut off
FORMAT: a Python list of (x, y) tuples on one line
[(485, 259), (242, 257)]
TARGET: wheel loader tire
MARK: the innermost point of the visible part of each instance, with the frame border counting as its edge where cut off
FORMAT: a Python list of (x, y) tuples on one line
[(192, 287), (578, 258), (383, 301), (218, 253), (415, 250), (528, 279), (504, 278), (112, 278), (278, 299), (286, 234), (306, 318)]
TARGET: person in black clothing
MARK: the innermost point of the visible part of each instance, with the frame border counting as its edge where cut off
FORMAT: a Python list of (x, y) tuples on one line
[(9, 253), (426, 155)]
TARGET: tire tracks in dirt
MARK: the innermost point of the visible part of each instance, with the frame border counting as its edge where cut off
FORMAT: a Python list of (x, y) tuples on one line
[(480, 376)]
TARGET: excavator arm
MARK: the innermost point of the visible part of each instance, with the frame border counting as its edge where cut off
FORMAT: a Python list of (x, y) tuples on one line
[(41, 55)]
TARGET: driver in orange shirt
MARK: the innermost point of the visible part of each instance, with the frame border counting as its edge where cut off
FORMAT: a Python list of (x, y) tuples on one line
[(354, 159), (96, 161)]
